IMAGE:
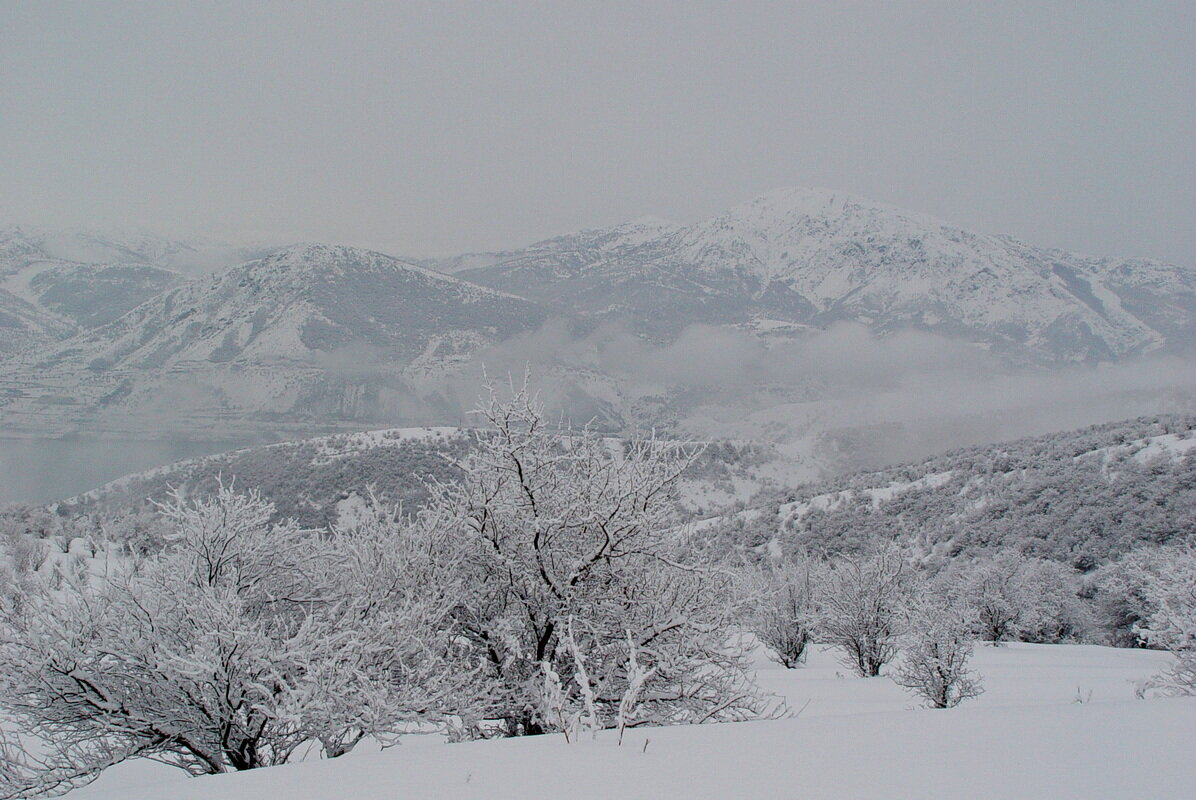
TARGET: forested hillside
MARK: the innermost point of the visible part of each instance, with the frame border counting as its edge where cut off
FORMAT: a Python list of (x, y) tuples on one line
[(311, 480), (305, 480), (1081, 497)]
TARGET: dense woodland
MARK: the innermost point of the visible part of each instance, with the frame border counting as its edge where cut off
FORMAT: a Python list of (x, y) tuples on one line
[(1080, 497)]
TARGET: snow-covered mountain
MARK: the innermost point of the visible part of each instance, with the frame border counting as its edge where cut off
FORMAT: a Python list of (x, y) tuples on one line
[(302, 303), (324, 333), (317, 332), (191, 257), (52, 286), (815, 257)]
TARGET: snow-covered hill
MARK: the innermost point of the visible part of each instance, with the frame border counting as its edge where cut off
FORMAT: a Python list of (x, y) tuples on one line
[(1081, 497), (308, 480), (814, 257), (53, 287), (312, 480)]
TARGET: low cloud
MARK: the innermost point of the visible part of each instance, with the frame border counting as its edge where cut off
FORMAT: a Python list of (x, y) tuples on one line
[(913, 393)]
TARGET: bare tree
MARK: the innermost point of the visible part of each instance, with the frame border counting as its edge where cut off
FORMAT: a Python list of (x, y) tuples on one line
[(994, 587), (565, 525), (227, 652), (781, 608), (934, 664), (862, 604)]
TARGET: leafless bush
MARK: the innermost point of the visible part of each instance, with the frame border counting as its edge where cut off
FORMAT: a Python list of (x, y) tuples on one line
[(934, 664), (862, 603), (780, 600)]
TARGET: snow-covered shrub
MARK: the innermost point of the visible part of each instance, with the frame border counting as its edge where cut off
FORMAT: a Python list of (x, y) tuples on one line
[(26, 554), (1126, 592), (1025, 599), (938, 646), (1052, 611), (575, 711), (240, 643), (140, 530), (862, 605), (637, 676), (1171, 623), (781, 609), (30, 520), (1116, 592), (566, 526), (993, 587)]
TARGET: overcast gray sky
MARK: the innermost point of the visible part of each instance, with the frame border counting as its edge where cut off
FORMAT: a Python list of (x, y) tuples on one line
[(434, 128)]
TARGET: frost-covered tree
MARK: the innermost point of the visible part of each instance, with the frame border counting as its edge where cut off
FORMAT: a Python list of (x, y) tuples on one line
[(780, 600), (1052, 609), (1021, 598), (574, 537), (994, 588), (862, 603), (240, 643), (938, 646), (1171, 623)]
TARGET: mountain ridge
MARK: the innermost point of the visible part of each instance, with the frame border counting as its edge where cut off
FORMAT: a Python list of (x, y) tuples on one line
[(295, 289), (316, 334), (814, 257)]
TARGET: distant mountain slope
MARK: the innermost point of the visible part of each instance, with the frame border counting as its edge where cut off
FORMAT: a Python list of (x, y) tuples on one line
[(1080, 497), (23, 325), (190, 257), (315, 332), (46, 296), (306, 300), (95, 294), (573, 250), (814, 257)]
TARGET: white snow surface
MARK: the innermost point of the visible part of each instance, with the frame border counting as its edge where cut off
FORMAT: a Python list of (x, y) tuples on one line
[(1169, 445), (1027, 737)]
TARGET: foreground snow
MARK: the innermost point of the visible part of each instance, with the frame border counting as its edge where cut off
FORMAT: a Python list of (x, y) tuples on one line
[(1026, 737)]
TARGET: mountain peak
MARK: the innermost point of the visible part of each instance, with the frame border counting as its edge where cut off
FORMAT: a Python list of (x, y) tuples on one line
[(320, 260), (814, 257), (315, 253), (784, 205)]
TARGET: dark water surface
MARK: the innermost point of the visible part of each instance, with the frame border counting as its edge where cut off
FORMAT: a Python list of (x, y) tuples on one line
[(43, 470)]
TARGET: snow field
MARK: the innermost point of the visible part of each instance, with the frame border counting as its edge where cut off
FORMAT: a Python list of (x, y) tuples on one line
[(1055, 721)]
